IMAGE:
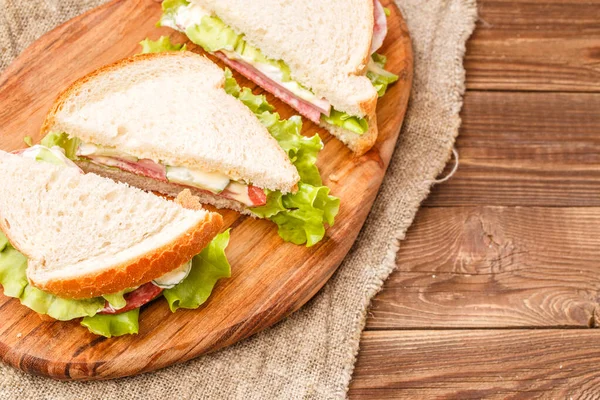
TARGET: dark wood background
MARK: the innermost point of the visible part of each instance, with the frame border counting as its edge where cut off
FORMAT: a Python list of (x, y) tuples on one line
[(497, 291)]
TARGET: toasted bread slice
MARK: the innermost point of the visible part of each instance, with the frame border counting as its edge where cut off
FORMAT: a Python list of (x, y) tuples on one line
[(85, 236)]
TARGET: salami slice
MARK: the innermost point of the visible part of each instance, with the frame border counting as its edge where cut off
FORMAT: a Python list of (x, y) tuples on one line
[(379, 27), (142, 167), (305, 108), (140, 296), (152, 169), (251, 196)]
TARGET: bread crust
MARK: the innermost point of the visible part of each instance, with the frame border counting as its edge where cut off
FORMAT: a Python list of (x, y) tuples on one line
[(359, 144), (187, 200), (369, 106), (368, 50), (150, 266)]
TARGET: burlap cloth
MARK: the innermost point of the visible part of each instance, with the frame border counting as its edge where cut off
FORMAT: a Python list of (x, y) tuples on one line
[(312, 353)]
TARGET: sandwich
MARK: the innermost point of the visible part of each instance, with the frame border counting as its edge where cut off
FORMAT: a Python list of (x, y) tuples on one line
[(167, 121), (75, 245), (318, 57)]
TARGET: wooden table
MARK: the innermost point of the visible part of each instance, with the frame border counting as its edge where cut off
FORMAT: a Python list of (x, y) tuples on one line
[(497, 290)]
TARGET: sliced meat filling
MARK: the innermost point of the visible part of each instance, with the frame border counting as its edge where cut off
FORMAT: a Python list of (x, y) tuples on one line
[(135, 299), (379, 27), (306, 108), (211, 182)]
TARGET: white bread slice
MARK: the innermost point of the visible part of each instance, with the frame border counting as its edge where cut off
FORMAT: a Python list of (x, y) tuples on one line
[(168, 189), (326, 44), (86, 236), (172, 107)]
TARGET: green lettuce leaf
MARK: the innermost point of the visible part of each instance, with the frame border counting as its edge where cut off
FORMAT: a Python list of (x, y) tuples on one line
[(379, 59), (161, 45), (61, 139), (116, 300), (59, 308), (380, 78), (170, 9), (231, 86), (353, 124), (255, 102), (207, 268), (213, 35), (12, 269), (110, 325), (13, 279), (301, 150), (46, 155), (300, 216)]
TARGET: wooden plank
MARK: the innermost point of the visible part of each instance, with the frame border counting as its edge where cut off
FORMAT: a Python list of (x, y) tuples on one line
[(529, 149), (477, 364), (270, 279), (479, 267), (537, 45)]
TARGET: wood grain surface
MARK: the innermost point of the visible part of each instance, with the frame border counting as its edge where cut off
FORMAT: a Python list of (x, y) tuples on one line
[(535, 45), (478, 364), (497, 292), (526, 149), (270, 278), (502, 267)]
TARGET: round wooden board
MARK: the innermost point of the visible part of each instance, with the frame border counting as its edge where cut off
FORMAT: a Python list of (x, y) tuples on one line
[(270, 278)]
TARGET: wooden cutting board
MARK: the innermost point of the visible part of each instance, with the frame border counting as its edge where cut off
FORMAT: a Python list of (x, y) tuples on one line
[(270, 278)]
